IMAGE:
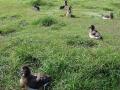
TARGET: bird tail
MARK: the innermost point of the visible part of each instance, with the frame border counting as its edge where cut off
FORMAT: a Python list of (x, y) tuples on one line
[(62, 7)]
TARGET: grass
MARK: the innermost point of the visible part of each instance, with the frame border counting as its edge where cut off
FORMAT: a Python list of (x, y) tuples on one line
[(46, 21), (77, 41), (63, 49)]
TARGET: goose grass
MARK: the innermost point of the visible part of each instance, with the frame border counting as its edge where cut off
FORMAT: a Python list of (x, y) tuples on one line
[(63, 49)]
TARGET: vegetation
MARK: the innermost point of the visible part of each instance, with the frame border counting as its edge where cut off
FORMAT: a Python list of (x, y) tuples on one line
[(62, 50)]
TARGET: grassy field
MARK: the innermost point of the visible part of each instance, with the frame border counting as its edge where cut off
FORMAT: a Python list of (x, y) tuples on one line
[(62, 50)]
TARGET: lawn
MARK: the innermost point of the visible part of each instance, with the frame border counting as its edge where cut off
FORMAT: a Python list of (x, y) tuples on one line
[(62, 49)]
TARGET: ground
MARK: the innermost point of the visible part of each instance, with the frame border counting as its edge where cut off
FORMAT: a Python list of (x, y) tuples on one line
[(64, 49)]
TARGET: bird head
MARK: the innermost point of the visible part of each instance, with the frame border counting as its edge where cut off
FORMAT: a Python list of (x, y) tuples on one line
[(92, 27), (25, 71)]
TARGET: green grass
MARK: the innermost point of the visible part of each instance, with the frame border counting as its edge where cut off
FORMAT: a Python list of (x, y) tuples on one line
[(63, 49)]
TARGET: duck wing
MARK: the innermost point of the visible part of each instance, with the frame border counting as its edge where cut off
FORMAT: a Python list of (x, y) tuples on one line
[(96, 33), (62, 7), (93, 32), (106, 17), (43, 79), (33, 83)]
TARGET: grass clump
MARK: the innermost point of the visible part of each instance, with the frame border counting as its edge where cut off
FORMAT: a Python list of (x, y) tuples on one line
[(7, 31), (107, 9), (3, 18), (76, 42), (38, 2), (41, 2), (48, 21)]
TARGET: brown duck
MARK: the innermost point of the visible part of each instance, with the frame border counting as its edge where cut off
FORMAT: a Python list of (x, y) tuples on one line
[(30, 81)]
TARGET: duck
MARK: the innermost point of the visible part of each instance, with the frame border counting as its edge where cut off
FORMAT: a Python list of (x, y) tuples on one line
[(94, 34), (110, 16), (37, 81)]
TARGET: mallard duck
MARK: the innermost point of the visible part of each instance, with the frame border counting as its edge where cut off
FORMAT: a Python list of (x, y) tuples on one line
[(110, 16), (93, 33), (30, 81)]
